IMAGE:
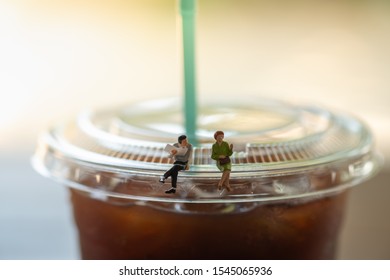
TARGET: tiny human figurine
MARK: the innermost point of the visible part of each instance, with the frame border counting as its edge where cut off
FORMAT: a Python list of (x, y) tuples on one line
[(221, 152), (181, 153)]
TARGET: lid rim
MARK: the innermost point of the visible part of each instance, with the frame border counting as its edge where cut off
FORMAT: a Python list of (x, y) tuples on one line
[(82, 157), (270, 141), (39, 167)]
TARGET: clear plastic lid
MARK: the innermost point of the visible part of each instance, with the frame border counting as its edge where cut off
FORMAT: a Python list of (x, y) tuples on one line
[(281, 151)]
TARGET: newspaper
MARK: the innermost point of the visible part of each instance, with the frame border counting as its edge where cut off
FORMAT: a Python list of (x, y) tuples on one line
[(181, 151)]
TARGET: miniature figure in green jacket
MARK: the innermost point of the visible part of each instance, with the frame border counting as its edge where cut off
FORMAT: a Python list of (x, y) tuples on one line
[(221, 151)]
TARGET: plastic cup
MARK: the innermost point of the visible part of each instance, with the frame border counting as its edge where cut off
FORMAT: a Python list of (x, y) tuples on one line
[(292, 168)]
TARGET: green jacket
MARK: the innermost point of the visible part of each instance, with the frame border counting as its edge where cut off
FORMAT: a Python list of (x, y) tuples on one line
[(221, 150)]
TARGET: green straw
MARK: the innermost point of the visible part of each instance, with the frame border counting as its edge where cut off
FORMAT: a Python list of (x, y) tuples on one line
[(187, 12)]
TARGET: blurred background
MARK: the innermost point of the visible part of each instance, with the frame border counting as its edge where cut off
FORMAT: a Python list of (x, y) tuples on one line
[(60, 57)]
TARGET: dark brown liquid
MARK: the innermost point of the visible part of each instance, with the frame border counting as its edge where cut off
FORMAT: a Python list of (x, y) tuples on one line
[(303, 230)]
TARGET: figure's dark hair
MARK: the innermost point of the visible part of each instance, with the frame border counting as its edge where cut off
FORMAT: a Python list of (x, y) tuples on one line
[(218, 132), (181, 138)]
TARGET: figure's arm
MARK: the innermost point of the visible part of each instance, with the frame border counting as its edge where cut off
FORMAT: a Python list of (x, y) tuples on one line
[(188, 155), (214, 154), (173, 152), (230, 149)]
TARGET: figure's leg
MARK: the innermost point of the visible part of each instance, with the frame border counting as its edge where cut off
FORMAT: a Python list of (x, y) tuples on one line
[(174, 178), (174, 172), (220, 185), (169, 172), (226, 181), (222, 181)]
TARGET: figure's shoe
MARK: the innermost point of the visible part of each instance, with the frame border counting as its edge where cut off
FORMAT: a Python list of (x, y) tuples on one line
[(162, 179), (171, 190)]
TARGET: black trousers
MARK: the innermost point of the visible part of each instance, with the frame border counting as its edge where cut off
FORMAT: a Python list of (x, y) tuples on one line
[(174, 172)]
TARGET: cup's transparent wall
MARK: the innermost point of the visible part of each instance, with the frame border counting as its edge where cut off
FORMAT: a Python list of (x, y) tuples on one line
[(294, 228), (292, 168)]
